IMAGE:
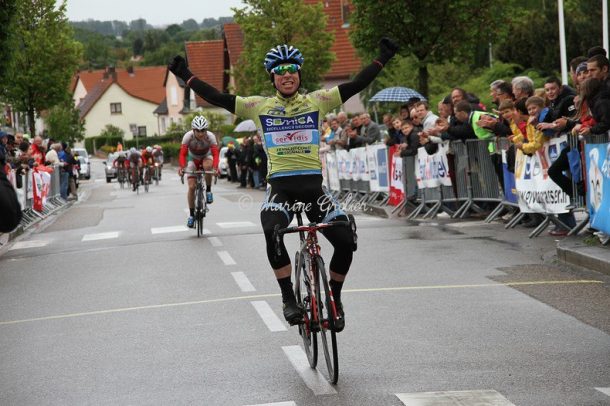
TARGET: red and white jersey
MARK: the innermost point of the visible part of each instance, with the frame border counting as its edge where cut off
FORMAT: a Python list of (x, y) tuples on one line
[(199, 148)]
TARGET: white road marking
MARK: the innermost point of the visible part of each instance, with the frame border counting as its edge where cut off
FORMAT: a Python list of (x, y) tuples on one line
[(170, 229), (99, 180), (236, 224), (313, 379), (215, 241), (101, 236), (455, 398), (605, 391), (276, 295), (29, 244), (465, 224), (226, 257), (291, 403), (243, 282), (273, 322)]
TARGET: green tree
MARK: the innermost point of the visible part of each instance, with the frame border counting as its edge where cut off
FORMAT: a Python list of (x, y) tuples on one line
[(7, 13), (111, 131), (44, 59), (64, 123), (267, 23), (450, 32)]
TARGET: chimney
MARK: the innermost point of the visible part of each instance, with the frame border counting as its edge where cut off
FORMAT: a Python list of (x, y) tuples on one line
[(112, 72), (130, 70)]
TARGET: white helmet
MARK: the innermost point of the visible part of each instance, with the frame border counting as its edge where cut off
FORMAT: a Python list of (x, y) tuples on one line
[(132, 149), (149, 149), (199, 123)]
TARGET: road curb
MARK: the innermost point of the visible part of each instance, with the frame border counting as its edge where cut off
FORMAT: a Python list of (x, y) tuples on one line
[(575, 252)]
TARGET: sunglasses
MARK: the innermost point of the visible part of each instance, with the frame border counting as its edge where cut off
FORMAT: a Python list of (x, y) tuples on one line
[(283, 69)]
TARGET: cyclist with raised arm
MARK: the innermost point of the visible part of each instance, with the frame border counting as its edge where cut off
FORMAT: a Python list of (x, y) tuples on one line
[(199, 151), (289, 124)]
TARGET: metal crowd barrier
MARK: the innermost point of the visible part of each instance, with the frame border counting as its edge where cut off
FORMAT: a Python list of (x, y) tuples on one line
[(26, 198), (503, 145)]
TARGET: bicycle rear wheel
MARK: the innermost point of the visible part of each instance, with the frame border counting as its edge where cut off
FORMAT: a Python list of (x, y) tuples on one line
[(156, 176), (327, 311), (302, 293)]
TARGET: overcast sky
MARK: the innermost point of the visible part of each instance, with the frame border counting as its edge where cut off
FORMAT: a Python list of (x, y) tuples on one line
[(156, 12)]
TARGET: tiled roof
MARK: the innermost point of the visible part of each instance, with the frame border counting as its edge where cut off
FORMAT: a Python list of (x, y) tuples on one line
[(346, 61), (235, 41), (162, 108), (144, 83), (89, 79), (206, 59), (93, 96)]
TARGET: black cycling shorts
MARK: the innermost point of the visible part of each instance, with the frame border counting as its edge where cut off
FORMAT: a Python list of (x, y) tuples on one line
[(305, 192)]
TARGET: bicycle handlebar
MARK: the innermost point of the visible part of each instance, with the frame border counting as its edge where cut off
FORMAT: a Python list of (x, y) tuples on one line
[(199, 173), (311, 227)]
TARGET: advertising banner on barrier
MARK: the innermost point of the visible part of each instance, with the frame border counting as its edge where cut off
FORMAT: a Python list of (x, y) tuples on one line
[(536, 191), (41, 185), (598, 185), (377, 158), (397, 187), (344, 164), (510, 190), (432, 170), (359, 166), (333, 171)]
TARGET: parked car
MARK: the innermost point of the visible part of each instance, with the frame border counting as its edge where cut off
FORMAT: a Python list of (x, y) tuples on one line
[(85, 163), (111, 172), (223, 165)]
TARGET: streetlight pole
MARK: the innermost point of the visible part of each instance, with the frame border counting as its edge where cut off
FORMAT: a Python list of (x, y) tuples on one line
[(562, 44)]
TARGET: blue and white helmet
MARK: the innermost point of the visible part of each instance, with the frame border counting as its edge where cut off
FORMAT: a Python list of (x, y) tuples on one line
[(282, 54)]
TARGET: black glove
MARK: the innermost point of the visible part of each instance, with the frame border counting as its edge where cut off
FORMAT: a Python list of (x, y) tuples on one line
[(387, 49), (178, 67)]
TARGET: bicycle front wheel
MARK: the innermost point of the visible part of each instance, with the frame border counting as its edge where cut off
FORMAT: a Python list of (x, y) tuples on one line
[(302, 291), (327, 311), (199, 212)]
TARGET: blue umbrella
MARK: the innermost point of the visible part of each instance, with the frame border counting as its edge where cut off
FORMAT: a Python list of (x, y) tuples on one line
[(396, 94)]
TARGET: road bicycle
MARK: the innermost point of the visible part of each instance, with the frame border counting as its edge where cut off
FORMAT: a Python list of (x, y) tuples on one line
[(122, 176), (313, 293), (135, 179), (201, 203), (146, 177), (157, 173)]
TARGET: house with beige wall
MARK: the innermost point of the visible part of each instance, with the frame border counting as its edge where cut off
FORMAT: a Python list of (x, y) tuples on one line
[(125, 98)]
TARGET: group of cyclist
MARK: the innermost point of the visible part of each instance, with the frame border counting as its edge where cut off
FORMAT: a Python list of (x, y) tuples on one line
[(294, 166), (130, 164)]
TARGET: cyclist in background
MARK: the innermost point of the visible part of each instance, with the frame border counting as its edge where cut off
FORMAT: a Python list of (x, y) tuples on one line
[(199, 151), (289, 123), (148, 160), (158, 157), (135, 164)]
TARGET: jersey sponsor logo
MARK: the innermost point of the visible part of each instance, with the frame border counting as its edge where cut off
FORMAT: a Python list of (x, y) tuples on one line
[(307, 121), (277, 110), (296, 137)]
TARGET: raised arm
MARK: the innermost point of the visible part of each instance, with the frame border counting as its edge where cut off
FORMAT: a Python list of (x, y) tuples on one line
[(387, 49), (207, 92)]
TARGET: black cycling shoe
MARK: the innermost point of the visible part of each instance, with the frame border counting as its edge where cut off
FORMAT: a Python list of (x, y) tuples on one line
[(293, 313), (340, 321)]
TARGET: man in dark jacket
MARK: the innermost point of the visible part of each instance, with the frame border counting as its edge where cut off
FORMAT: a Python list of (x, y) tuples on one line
[(10, 211)]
